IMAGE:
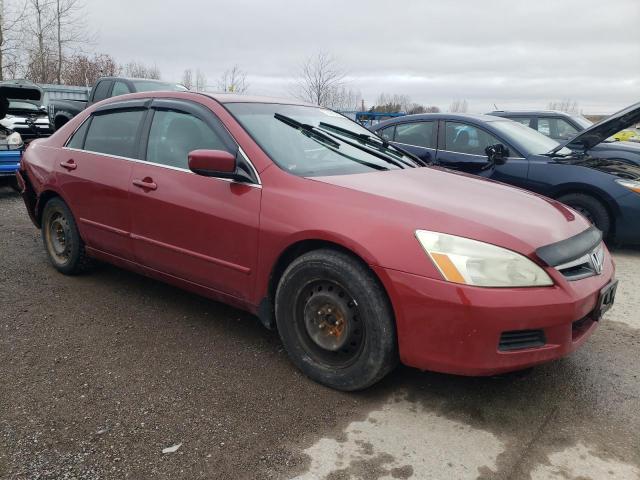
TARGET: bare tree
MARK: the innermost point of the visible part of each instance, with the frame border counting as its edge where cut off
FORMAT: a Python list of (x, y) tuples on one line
[(319, 78), (39, 23), (567, 105), (10, 20), (458, 106), (344, 99), (233, 81), (187, 78), (201, 81), (70, 28), (140, 70), (84, 70)]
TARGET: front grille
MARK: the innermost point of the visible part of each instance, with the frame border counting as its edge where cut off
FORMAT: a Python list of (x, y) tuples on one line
[(520, 339)]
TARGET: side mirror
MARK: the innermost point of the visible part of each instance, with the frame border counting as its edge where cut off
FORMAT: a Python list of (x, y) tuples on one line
[(497, 153), (213, 163)]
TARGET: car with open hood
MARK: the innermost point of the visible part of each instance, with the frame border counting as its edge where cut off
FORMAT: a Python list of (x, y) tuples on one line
[(358, 253), (22, 118), (561, 126), (600, 180)]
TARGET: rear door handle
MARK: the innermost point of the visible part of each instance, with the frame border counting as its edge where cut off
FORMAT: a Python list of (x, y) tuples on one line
[(69, 164), (147, 184)]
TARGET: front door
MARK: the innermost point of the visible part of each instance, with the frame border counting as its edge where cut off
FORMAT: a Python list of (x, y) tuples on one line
[(462, 147), (200, 229)]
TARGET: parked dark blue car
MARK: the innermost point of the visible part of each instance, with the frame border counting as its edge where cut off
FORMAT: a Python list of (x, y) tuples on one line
[(602, 184)]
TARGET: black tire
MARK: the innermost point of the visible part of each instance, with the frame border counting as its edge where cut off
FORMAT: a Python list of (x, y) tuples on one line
[(592, 208), (62, 241), (332, 297)]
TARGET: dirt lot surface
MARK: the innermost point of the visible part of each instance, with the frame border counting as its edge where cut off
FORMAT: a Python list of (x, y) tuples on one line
[(100, 373)]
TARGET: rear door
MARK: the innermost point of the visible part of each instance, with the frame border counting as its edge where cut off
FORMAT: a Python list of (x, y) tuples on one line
[(200, 229), (462, 147), (419, 138), (94, 172)]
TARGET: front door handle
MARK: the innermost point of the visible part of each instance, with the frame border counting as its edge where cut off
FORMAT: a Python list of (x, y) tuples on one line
[(147, 183), (69, 164)]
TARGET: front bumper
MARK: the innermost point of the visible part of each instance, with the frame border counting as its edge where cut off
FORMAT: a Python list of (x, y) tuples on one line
[(627, 225), (456, 329)]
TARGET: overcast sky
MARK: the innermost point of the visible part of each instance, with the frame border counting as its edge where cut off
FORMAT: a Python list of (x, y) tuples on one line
[(515, 54)]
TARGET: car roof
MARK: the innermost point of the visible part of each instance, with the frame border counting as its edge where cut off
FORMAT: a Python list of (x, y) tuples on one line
[(238, 98), (133, 79), (530, 112), (477, 117)]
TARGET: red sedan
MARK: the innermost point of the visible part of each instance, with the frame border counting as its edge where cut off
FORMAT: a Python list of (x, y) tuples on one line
[(359, 254)]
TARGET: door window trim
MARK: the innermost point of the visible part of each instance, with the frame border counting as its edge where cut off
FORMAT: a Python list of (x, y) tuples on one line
[(142, 135)]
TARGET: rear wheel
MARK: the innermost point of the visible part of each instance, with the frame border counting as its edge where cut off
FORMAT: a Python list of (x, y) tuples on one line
[(335, 320), (591, 208), (62, 240)]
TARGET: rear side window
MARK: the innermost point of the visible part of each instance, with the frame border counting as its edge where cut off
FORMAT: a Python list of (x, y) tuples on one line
[(102, 90), (174, 134), (120, 88), (417, 133), (463, 138), (114, 133), (77, 140)]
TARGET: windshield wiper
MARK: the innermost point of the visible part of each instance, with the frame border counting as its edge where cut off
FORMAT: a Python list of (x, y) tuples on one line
[(371, 140), (308, 130)]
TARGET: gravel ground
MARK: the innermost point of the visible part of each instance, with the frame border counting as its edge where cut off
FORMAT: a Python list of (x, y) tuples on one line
[(100, 373)]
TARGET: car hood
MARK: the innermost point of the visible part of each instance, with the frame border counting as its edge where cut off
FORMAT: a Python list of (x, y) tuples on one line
[(17, 90), (432, 198), (604, 129)]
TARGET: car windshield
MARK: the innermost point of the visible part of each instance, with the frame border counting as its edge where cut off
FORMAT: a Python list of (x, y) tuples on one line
[(533, 142), (582, 121), (147, 86), (304, 140)]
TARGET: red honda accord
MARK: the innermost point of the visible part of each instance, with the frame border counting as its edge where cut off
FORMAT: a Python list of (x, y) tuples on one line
[(359, 254)]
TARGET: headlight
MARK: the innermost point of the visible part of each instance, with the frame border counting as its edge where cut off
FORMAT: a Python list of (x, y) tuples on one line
[(470, 262), (14, 140), (632, 185)]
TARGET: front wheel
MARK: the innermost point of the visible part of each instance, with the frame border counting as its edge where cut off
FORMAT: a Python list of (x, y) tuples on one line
[(62, 240), (335, 320), (591, 208)]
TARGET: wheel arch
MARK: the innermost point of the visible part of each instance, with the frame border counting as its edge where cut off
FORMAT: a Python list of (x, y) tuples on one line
[(266, 310), (585, 189), (43, 198)]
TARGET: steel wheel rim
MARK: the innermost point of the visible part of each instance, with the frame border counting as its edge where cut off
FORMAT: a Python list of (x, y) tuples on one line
[(329, 323), (58, 238)]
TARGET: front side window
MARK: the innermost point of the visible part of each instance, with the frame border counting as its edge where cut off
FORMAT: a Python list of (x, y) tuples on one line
[(556, 128), (120, 88), (114, 133), (526, 121), (102, 90), (416, 133), (174, 134), (463, 138), (313, 141)]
